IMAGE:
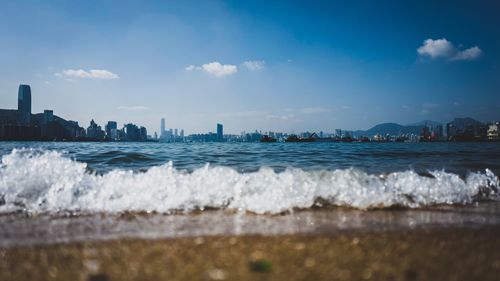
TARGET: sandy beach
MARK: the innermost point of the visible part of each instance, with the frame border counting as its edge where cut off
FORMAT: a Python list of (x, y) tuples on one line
[(454, 252)]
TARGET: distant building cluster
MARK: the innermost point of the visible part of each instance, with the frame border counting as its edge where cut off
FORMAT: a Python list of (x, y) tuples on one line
[(129, 132), (21, 124), (169, 135), (177, 135), (461, 129)]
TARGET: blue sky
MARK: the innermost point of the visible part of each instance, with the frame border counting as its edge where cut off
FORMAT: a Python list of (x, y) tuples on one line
[(268, 65)]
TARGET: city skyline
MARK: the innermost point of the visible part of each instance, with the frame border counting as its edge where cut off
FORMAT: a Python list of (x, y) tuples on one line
[(280, 66), (23, 124)]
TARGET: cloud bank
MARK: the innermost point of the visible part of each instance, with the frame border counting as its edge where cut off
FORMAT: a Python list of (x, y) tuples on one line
[(442, 48), (91, 74)]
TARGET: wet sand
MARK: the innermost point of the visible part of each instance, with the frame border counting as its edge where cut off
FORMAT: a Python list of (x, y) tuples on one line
[(44, 229), (430, 253)]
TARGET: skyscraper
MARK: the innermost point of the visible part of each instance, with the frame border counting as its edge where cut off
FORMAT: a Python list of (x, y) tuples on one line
[(24, 104), (162, 128), (220, 132), (111, 129)]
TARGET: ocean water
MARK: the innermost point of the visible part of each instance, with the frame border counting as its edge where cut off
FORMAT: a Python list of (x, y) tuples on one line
[(260, 178)]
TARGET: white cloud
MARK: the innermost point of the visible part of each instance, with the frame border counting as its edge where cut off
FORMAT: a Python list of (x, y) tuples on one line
[(254, 64), (91, 74), (314, 110), (133, 108), (436, 48), (469, 54), (215, 68), (442, 48)]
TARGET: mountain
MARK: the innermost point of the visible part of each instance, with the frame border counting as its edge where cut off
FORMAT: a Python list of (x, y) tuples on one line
[(426, 122), (391, 129), (395, 129), (462, 123)]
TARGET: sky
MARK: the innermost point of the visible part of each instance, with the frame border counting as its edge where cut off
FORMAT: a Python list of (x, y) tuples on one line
[(288, 66)]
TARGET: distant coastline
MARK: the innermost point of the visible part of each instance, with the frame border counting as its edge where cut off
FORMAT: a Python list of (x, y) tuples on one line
[(22, 125)]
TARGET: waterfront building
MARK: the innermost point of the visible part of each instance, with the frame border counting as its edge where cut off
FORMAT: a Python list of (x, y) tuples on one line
[(493, 133), (132, 132), (220, 132), (162, 128), (94, 131), (111, 130), (24, 104), (143, 134)]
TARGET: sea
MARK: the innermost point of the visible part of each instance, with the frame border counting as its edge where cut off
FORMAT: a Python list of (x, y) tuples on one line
[(53, 192)]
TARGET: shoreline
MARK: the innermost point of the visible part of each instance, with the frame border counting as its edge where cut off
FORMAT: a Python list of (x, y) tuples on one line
[(418, 254), (23, 229)]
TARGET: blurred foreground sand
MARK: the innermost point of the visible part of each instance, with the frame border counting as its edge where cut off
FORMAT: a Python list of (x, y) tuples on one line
[(422, 254)]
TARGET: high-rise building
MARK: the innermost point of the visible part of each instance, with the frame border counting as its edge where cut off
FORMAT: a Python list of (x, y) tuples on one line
[(162, 128), (493, 132), (111, 130), (176, 132), (143, 134), (220, 132), (182, 133), (94, 131), (48, 116), (132, 132), (24, 104)]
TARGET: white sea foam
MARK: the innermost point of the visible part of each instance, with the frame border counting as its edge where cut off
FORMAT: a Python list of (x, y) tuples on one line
[(47, 181)]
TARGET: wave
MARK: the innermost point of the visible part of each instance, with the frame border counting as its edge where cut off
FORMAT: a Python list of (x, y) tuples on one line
[(49, 182)]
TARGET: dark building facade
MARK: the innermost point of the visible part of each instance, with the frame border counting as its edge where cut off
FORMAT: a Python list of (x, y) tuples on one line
[(24, 104), (111, 130), (94, 131), (220, 132)]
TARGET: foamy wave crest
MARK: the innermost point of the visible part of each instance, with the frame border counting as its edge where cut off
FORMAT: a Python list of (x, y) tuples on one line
[(49, 182)]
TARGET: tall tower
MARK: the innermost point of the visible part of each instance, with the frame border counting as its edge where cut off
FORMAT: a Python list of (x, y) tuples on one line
[(220, 132), (162, 128), (24, 104)]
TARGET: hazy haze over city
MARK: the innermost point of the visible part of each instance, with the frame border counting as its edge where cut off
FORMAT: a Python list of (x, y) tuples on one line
[(267, 65)]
